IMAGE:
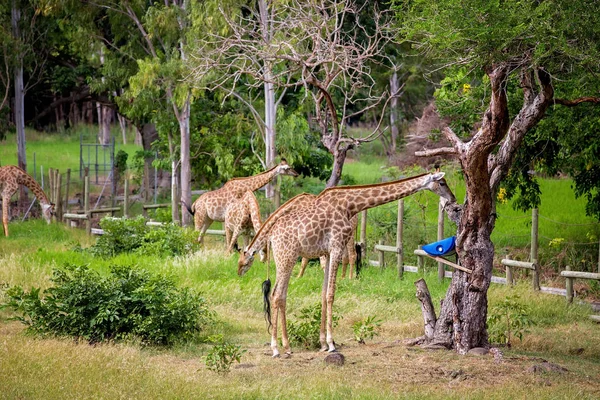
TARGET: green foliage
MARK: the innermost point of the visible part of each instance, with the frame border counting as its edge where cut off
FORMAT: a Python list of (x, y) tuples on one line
[(129, 303), (305, 332), (366, 329), (121, 162), (507, 319), (126, 235), (222, 355)]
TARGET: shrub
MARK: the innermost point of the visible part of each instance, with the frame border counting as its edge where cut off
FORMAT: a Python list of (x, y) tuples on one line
[(366, 329), (129, 303), (306, 332), (132, 235), (508, 319), (222, 355)]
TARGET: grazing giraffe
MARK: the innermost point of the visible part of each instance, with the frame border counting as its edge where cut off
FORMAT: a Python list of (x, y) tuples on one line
[(211, 206), (322, 228), (241, 216), (10, 178)]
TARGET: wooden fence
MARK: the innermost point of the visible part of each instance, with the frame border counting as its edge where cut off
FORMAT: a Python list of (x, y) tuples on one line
[(532, 265)]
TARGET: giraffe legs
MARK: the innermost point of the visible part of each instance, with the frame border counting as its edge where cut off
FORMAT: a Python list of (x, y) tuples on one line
[(328, 296), (5, 203), (231, 238), (303, 267), (322, 337), (278, 301)]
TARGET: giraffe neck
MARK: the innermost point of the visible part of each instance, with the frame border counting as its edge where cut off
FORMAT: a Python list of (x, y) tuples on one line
[(255, 182), (264, 233), (25, 179), (355, 199)]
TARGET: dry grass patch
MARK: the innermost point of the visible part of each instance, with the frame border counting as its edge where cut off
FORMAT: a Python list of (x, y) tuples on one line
[(64, 369)]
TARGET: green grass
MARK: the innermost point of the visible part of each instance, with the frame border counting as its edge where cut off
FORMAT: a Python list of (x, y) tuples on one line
[(55, 150), (383, 368)]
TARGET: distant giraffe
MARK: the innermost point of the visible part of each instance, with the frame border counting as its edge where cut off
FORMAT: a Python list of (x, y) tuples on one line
[(240, 216), (11, 177), (322, 228), (211, 206)]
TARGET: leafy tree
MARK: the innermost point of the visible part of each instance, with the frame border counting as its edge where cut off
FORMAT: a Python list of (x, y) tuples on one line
[(523, 51)]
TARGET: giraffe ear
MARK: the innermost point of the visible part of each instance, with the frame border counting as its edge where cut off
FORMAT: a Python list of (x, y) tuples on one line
[(437, 176)]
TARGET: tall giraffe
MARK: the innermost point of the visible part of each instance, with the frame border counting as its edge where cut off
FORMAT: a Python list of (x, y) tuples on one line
[(10, 178), (322, 228), (211, 206)]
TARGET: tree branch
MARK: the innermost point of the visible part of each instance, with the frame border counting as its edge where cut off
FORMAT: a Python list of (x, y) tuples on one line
[(442, 151), (575, 102)]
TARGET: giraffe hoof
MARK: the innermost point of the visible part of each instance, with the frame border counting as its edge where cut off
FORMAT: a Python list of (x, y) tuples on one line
[(287, 355), (276, 355), (334, 350)]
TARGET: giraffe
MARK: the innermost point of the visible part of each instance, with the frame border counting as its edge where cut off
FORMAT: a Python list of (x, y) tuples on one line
[(240, 216), (349, 257), (211, 206), (11, 177), (322, 228)]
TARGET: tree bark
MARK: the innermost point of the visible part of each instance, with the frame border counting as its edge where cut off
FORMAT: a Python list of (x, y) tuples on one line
[(462, 321), (426, 308), (395, 131), (19, 111), (186, 169)]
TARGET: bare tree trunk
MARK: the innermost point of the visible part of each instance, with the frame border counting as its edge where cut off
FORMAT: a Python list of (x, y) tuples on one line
[(105, 125), (394, 88), (123, 125), (186, 169), (339, 157), (270, 104), (19, 113), (270, 111)]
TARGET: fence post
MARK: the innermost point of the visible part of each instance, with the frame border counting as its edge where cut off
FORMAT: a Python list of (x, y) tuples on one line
[(363, 233), (126, 199), (440, 236), (509, 275), (381, 256), (420, 260), (399, 234), (58, 207), (569, 284), (599, 256), (86, 204), (534, 249), (66, 207)]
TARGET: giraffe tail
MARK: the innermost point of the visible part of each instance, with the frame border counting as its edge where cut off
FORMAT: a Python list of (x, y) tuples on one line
[(358, 266), (192, 212), (266, 289)]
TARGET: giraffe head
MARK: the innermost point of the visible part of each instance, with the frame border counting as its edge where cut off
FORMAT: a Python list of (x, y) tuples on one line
[(437, 184), (245, 261), (285, 169), (48, 211)]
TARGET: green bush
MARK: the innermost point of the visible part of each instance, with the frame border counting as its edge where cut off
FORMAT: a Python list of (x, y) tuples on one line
[(132, 235), (305, 332), (222, 355), (366, 329), (129, 303), (508, 319)]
